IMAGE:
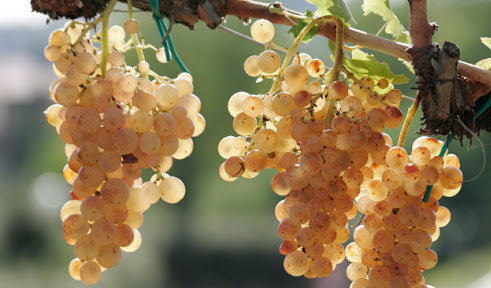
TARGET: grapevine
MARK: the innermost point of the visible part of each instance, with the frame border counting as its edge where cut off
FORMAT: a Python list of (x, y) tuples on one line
[(115, 120), (321, 128)]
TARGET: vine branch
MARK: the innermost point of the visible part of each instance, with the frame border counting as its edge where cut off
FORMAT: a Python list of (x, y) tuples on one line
[(420, 30), (246, 9)]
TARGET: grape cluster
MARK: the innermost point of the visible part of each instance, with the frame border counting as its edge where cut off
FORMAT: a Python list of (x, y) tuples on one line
[(114, 126), (393, 247), (322, 137)]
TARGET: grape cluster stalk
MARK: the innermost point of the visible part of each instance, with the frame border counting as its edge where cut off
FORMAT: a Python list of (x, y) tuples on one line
[(326, 139), (115, 120)]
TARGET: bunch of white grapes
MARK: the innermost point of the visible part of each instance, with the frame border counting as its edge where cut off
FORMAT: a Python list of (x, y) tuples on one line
[(114, 126), (327, 142), (393, 247)]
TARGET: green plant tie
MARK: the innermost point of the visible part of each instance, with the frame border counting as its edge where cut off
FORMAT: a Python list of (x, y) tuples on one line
[(168, 44)]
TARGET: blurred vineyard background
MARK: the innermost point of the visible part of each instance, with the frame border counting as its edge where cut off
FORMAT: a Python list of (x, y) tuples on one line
[(221, 234)]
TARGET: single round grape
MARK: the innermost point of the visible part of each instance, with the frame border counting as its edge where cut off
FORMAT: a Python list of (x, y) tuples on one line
[(356, 271), (361, 283), (322, 267), (234, 166), (335, 252), (287, 247), (172, 190), (124, 235), (52, 53), (75, 77), (393, 97), (283, 103), (131, 26), (184, 86), (125, 140), (137, 241), (296, 263), (296, 76), (90, 272), (167, 96), (363, 237), (397, 158), (74, 268), (383, 241), (66, 94), (253, 106), (338, 90), (191, 103), (59, 38), (75, 226), (71, 207), (244, 124), (92, 208), (109, 255), (116, 34), (103, 231), (235, 103), (185, 149), (302, 98), (269, 61), (393, 117), (161, 55), (279, 184), (116, 58), (262, 31), (353, 252), (451, 178), (255, 160), (443, 216), (376, 190), (316, 67), (251, 66), (427, 259), (134, 219), (409, 215), (86, 248), (85, 62), (351, 106), (451, 160)]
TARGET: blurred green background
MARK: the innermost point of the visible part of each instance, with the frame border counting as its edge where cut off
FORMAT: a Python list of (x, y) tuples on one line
[(221, 234)]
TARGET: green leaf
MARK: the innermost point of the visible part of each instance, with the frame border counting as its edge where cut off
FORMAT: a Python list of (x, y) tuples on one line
[(408, 65), (336, 8), (322, 6), (393, 25), (362, 64), (485, 63), (301, 23), (486, 41)]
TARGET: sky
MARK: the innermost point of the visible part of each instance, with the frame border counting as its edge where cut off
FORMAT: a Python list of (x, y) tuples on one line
[(19, 13)]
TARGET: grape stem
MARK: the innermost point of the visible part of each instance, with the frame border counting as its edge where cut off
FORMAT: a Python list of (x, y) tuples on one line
[(293, 49), (334, 72), (90, 26), (240, 35), (134, 38), (409, 117), (105, 36)]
